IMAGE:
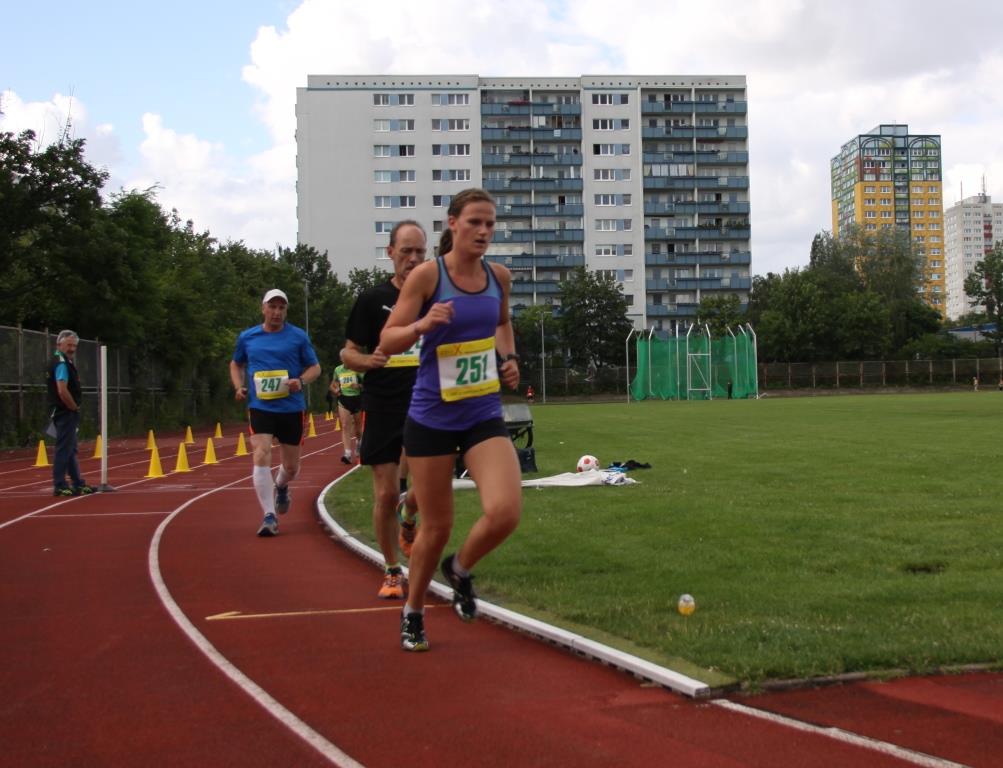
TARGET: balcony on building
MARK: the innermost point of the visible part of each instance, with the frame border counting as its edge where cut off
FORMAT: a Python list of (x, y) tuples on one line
[(703, 258)]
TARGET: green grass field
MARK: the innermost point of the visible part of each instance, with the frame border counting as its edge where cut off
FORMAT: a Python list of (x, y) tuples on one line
[(819, 536)]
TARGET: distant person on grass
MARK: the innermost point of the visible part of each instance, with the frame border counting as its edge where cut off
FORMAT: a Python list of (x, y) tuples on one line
[(65, 396), (385, 398), (458, 306), (277, 360), (346, 385)]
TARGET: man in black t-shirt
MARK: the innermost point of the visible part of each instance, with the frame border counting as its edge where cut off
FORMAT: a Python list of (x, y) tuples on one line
[(385, 400)]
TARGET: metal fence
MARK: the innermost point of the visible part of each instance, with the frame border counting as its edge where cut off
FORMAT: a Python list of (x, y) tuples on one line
[(876, 374), (612, 383)]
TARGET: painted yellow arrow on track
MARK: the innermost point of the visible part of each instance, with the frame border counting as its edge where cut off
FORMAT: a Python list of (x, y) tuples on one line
[(238, 615)]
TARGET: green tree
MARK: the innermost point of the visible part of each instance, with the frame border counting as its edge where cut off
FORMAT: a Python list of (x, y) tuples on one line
[(527, 327), (594, 320), (50, 206), (361, 279), (985, 286), (720, 312)]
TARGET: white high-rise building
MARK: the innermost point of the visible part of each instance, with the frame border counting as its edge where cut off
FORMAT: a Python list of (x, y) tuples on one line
[(643, 178), (971, 228)]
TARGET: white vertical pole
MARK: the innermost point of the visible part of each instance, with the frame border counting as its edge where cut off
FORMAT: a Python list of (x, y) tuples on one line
[(543, 363), (103, 373), (626, 345), (651, 392)]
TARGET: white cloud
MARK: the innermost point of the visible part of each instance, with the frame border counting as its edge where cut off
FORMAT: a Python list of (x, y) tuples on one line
[(818, 74)]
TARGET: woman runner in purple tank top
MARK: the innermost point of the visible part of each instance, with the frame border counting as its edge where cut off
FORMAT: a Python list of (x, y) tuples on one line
[(458, 305)]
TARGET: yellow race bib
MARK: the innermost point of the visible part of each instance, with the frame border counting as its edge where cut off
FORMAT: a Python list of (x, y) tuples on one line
[(271, 385), (407, 359), (467, 369)]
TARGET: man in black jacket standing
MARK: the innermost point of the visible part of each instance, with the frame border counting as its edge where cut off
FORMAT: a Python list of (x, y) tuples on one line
[(64, 402)]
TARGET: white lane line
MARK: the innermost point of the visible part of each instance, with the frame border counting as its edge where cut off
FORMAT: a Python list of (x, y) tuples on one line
[(268, 703), (847, 737), (155, 489), (101, 514)]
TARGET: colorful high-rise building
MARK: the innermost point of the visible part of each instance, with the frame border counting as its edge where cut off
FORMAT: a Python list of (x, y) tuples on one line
[(888, 178)]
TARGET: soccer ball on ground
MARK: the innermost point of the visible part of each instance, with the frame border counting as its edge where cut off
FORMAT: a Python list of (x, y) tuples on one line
[(587, 463)]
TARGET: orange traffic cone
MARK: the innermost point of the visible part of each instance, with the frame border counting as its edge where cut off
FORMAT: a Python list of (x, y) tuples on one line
[(42, 459), (241, 446), (155, 469)]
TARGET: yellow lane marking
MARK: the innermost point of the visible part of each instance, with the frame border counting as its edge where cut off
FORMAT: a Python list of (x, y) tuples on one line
[(238, 615)]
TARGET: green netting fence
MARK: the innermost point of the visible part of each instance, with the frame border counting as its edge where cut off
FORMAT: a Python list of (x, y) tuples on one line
[(694, 366)]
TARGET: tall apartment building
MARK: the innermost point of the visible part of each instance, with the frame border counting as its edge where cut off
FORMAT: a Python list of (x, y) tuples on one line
[(643, 178), (971, 228), (888, 178)]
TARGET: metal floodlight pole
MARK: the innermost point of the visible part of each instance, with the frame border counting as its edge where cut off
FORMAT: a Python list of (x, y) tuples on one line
[(306, 324), (626, 345), (103, 376), (734, 355), (543, 363), (679, 376), (688, 374), (650, 355), (710, 363), (755, 357)]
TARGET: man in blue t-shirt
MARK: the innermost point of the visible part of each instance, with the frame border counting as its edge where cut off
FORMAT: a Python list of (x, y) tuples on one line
[(271, 365)]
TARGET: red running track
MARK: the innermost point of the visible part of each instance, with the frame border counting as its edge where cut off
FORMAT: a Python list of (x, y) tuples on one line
[(291, 660)]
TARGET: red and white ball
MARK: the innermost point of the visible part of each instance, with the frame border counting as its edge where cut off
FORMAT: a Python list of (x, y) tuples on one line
[(587, 463)]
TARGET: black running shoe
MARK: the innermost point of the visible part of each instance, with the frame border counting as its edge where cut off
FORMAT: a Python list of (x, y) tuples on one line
[(62, 491), (464, 597), (413, 632), (282, 499), (84, 490)]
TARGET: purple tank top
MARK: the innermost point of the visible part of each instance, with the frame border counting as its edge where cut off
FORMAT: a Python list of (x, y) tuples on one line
[(457, 385)]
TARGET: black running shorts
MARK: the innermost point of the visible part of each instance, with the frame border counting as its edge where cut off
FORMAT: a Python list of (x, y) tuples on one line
[(420, 440), (287, 427), (382, 438), (351, 403)]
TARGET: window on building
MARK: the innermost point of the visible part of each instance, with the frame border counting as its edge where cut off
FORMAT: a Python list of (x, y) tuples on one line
[(382, 177), (407, 175), (406, 201), (384, 227), (605, 199), (383, 201), (605, 250), (450, 99), (381, 125), (441, 201), (381, 99), (405, 125), (381, 150), (405, 150)]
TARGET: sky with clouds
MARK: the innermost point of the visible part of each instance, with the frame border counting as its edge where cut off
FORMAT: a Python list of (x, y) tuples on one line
[(198, 99)]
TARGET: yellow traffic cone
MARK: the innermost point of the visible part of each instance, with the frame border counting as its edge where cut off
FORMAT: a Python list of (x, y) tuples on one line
[(97, 448), (42, 460), (219, 430), (150, 442), (189, 440), (241, 447), (313, 429), (337, 425), (154, 470), (210, 453), (327, 415), (181, 465)]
